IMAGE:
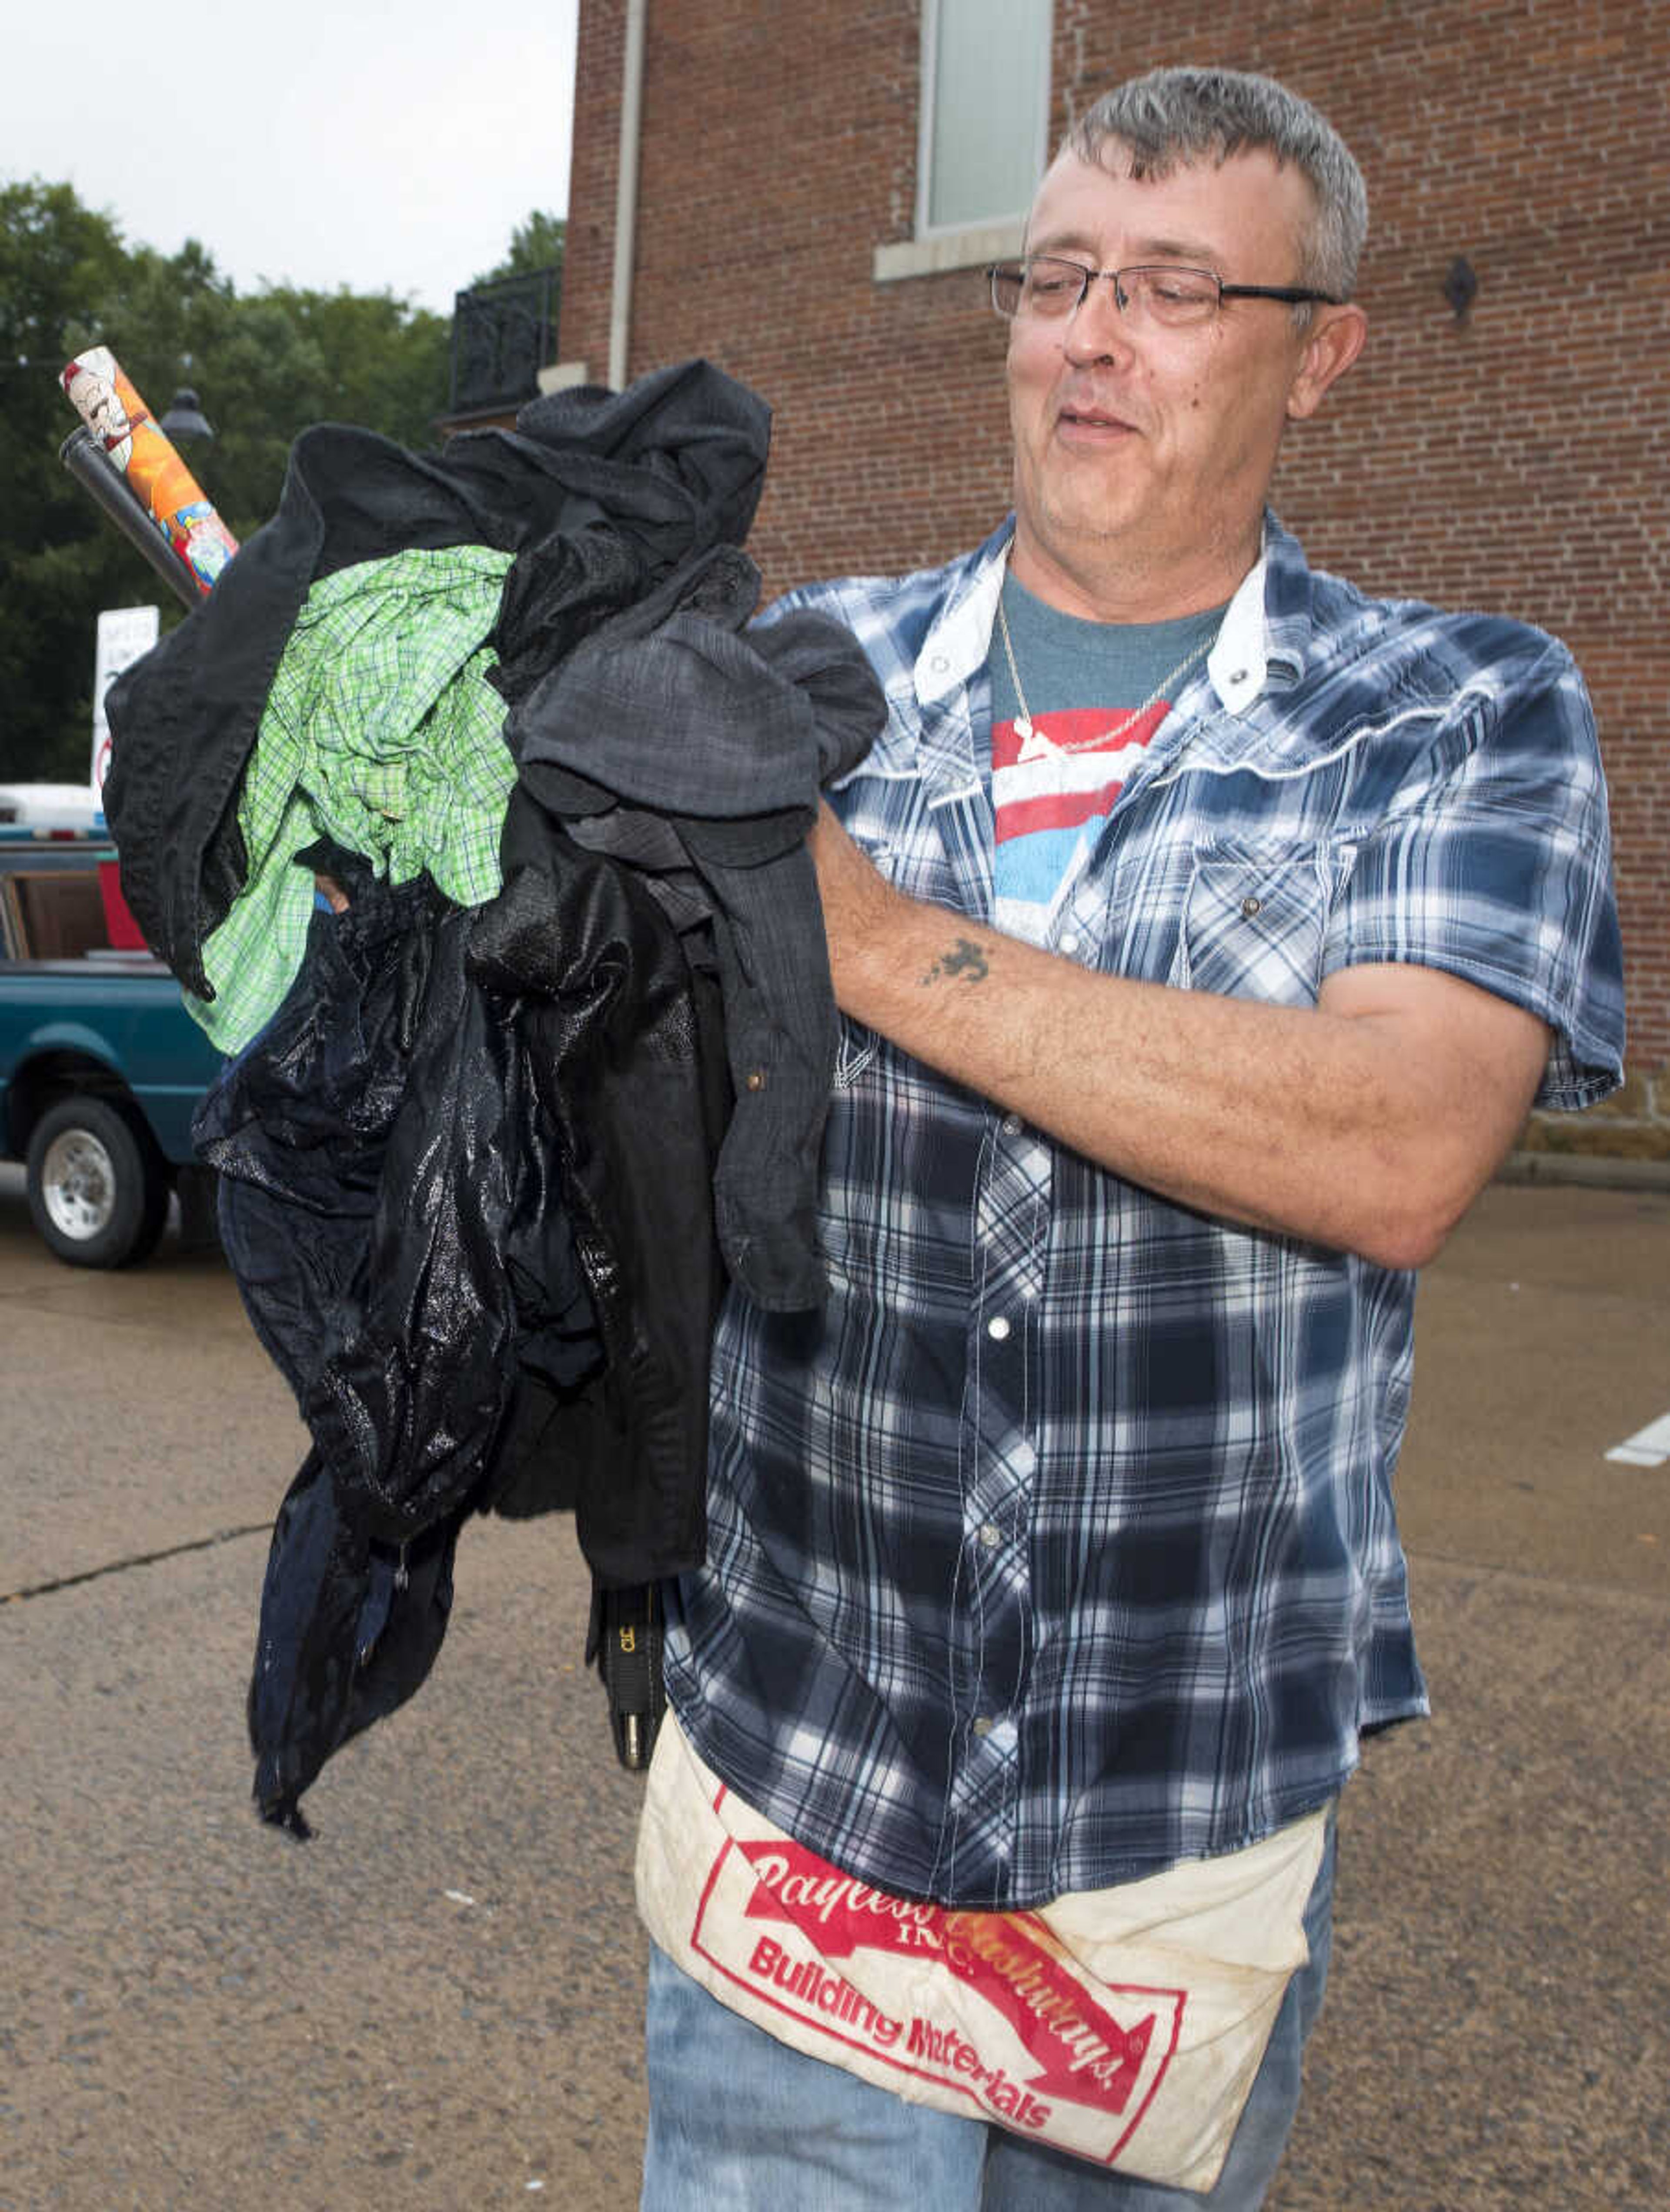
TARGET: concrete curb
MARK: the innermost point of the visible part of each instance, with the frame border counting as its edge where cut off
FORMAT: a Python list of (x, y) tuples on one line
[(1598, 1170)]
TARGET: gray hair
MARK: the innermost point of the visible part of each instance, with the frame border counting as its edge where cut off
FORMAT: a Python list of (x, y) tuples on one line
[(1173, 117)]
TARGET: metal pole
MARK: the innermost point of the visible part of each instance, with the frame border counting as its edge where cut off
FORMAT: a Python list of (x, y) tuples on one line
[(626, 192)]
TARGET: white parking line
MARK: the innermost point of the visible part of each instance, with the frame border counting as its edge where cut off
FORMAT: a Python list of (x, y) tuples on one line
[(1648, 1447)]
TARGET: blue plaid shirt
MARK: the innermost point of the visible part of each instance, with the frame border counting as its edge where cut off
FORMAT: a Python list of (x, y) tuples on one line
[(1061, 1547)]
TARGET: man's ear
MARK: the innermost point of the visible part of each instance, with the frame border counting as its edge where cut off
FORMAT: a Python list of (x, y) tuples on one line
[(1335, 338)]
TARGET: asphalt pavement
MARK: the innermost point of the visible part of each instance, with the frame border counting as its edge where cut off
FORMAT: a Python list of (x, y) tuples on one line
[(435, 2002)]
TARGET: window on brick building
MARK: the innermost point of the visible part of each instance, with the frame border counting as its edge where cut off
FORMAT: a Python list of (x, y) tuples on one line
[(985, 110)]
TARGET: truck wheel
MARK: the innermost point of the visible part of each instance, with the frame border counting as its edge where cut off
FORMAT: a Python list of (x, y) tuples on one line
[(98, 1194)]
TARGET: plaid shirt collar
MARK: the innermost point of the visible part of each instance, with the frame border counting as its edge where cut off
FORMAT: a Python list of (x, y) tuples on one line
[(1263, 642)]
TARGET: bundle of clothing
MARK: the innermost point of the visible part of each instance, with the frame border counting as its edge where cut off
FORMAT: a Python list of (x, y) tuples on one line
[(548, 1059)]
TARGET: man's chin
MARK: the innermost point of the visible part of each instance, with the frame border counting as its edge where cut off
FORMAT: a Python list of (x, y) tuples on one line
[(1084, 518)]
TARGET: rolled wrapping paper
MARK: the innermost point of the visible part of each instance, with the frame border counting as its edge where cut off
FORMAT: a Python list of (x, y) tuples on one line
[(102, 395)]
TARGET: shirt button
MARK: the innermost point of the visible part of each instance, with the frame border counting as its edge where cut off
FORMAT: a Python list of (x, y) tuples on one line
[(997, 1327), (757, 1079), (1013, 1125), (1070, 942), (939, 664), (990, 1534), (1238, 676), (984, 1725), (1249, 907)]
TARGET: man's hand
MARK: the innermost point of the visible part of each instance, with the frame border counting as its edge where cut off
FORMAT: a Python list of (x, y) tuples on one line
[(1368, 1122)]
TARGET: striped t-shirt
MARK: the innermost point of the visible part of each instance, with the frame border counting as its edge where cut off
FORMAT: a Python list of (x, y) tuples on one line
[(1083, 682)]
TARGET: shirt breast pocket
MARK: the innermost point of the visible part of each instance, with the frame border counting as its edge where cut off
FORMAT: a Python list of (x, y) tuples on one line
[(1254, 924)]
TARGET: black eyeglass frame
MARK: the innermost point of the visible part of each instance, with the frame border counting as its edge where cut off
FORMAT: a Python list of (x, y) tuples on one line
[(1294, 295)]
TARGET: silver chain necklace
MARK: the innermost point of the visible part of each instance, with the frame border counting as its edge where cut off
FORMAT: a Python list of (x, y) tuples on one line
[(1035, 745)]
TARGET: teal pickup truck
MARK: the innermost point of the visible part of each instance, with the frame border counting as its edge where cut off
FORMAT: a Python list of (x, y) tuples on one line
[(101, 1067)]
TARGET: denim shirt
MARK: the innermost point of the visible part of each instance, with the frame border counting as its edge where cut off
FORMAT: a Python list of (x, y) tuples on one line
[(1062, 1546)]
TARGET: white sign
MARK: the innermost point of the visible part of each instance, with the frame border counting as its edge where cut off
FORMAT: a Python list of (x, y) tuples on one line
[(125, 634)]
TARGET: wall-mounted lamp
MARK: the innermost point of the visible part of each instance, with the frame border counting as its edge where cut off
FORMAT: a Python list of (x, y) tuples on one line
[(1460, 287)]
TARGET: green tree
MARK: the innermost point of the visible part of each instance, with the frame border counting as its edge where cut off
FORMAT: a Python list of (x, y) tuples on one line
[(265, 366), (57, 560), (536, 243)]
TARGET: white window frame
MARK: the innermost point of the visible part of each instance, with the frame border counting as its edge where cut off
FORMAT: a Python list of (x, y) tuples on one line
[(925, 122), (954, 246)]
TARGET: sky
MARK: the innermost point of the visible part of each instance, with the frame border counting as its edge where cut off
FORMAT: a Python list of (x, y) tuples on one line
[(318, 142)]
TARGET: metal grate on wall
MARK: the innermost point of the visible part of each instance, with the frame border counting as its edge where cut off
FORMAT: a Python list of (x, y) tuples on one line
[(503, 334)]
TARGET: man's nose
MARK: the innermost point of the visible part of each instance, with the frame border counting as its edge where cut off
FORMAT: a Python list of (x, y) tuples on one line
[(1097, 327)]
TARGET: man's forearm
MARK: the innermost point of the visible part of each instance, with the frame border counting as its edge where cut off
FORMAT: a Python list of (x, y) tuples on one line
[(1368, 1123)]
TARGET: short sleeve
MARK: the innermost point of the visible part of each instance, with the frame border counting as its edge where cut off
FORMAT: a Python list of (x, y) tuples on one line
[(1493, 862)]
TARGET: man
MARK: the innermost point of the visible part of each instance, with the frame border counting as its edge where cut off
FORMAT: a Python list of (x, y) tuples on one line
[(1054, 1571)]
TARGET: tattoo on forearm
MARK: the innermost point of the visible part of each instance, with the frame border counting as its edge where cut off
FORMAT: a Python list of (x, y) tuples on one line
[(965, 959)]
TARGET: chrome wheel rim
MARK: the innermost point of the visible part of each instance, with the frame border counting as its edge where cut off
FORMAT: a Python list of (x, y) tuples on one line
[(78, 1185)]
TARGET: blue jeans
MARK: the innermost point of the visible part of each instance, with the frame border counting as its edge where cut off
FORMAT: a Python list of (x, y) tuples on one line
[(740, 2122)]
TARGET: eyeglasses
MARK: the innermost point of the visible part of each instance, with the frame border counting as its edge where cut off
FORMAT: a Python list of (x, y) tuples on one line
[(1050, 290)]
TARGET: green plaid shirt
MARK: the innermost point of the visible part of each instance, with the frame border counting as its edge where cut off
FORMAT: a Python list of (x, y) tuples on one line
[(382, 732)]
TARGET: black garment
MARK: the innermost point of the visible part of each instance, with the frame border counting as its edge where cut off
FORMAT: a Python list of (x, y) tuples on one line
[(366, 1239), (382, 1158), (468, 1171), (721, 738), (621, 1029), (620, 632), (349, 1628), (672, 465), (465, 1179)]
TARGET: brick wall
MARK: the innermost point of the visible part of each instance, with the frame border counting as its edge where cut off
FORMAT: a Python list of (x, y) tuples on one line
[(1517, 459), (779, 151)]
